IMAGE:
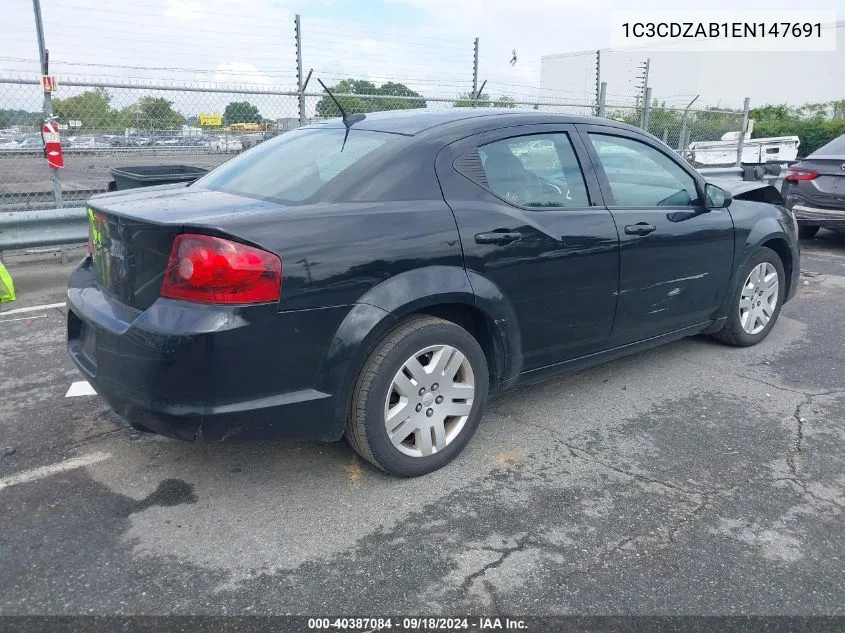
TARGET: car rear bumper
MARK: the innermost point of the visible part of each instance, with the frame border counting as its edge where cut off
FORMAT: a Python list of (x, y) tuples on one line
[(828, 218), (204, 372)]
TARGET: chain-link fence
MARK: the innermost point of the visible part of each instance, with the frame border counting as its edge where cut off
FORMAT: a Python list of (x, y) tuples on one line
[(106, 125)]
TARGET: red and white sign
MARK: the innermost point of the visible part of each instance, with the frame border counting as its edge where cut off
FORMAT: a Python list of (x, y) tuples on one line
[(52, 144), (48, 83)]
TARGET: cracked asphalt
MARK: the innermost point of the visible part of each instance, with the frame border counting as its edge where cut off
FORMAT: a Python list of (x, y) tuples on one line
[(691, 479)]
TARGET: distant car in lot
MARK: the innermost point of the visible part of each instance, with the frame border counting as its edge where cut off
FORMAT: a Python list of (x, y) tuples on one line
[(31, 143), (229, 144), (814, 189), (90, 143), (8, 144), (375, 280)]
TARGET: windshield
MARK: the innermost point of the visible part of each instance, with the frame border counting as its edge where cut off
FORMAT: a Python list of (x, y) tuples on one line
[(294, 166)]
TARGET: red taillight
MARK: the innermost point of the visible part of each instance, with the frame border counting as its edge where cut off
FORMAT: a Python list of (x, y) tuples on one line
[(800, 174), (209, 269)]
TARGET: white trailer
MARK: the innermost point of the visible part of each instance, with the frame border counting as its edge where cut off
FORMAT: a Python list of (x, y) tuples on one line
[(754, 150)]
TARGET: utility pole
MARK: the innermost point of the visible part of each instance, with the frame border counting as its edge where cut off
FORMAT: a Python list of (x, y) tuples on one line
[(299, 86), (44, 56), (598, 83), (475, 69)]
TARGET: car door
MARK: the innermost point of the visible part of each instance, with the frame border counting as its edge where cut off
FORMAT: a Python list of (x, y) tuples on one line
[(531, 221), (676, 256)]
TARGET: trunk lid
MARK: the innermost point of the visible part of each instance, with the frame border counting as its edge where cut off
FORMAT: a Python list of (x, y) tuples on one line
[(828, 188), (132, 233)]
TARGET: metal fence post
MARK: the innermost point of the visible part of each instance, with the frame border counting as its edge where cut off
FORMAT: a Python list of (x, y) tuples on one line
[(48, 98), (299, 87), (647, 109), (602, 99), (475, 69), (598, 81), (741, 141), (682, 135)]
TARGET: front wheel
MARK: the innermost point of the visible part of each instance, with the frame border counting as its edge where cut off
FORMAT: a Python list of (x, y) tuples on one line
[(419, 397), (755, 301)]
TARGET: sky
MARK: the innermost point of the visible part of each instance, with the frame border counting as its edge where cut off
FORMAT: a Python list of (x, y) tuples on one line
[(425, 44)]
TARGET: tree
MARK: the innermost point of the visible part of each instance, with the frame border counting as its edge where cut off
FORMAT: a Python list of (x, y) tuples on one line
[(372, 98), (241, 112), (504, 102), (9, 118), (92, 108), (467, 101), (815, 124), (158, 113)]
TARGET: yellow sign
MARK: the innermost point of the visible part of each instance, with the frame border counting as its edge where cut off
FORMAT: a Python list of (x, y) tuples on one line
[(211, 120)]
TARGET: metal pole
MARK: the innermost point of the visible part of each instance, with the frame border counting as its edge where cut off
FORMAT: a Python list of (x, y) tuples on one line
[(48, 100), (645, 92), (602, 98), (683, 133), (598, 82), (299, 71), (475, 69), (741, 142), (647, 109)]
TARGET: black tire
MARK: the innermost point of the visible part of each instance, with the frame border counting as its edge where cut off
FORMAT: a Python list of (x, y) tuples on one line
[(732, 332), (365, 426), (807, 231)]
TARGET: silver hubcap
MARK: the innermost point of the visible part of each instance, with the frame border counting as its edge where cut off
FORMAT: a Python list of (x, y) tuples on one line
[(759, 298), (429, 400)]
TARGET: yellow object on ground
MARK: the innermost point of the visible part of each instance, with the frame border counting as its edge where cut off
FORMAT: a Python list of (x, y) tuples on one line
[(7, 288)]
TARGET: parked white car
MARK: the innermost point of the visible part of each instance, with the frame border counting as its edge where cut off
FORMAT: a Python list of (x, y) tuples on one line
[(230, 144)]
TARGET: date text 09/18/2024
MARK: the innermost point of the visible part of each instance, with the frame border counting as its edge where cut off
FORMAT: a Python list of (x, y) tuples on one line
[(416, 624)]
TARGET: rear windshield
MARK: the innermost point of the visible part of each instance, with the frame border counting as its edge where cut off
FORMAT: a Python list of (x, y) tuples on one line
[(834, 149), (296, 165)]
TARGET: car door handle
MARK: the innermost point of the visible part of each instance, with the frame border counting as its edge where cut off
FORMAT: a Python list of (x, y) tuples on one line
[(640, 228), (496, 237)]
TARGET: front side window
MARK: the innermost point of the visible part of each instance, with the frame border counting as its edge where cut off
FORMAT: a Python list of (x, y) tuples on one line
[(642, 176), (537, 171), (296, 165)]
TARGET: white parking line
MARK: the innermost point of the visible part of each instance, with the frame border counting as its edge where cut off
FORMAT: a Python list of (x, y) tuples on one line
[(46, 306), (45, 471), (80, 388), (27, 318)]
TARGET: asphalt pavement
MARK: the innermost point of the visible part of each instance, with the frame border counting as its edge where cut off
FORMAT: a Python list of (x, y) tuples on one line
[(691, 479)]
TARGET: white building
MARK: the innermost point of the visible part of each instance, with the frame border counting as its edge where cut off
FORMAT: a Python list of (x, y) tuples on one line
[(721, 78)]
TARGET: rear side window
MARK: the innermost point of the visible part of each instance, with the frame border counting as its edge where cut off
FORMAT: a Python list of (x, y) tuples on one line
[(538, 171), (296, 165), (834, 149)]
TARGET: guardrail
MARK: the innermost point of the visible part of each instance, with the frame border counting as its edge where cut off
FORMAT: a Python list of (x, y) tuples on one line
[(52, 227), (56, 227), (770, 172)]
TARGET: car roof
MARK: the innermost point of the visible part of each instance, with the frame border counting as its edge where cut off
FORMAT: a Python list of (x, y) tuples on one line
[(413, 122)]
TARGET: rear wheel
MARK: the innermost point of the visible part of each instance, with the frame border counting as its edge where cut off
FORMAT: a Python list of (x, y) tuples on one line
[(419, 397), (807, 231), (756, 299)]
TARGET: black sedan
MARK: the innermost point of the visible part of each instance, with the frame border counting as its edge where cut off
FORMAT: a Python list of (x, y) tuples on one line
[(814, 189), (376, 278)]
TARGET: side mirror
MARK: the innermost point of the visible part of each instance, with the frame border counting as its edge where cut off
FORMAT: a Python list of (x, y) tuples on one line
[(716, 197)]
